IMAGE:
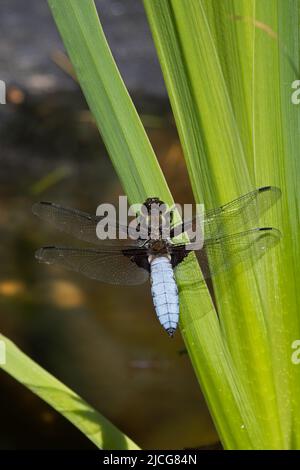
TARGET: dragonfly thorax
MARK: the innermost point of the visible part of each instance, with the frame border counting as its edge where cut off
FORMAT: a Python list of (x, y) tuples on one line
[(158, 247), (155, 219)]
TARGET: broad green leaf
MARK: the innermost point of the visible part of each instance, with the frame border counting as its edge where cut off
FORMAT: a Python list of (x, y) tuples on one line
[(276, 154), (237, 59)]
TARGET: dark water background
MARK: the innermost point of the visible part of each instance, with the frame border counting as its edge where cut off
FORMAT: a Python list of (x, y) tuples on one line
[(102, 341)]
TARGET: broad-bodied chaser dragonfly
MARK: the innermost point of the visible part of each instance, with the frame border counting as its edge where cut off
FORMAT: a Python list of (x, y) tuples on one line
[(229, 240)]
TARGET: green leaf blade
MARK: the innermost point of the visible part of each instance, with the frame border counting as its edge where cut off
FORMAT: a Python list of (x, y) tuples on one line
[(91, 423)]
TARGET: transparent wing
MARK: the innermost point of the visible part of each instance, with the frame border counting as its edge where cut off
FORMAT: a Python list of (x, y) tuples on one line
[(220, 254), (238, 215), (112, 267), (77, 223)]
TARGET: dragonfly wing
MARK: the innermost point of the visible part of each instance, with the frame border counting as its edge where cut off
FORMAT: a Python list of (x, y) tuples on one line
[(77, 223), (112, 267), (240, 214), (221, 254), (236, 216)]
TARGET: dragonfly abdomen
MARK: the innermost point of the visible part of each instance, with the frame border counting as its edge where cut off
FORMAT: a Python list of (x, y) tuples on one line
[(164, 293)]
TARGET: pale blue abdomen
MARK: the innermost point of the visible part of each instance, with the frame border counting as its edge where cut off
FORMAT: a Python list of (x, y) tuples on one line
[(165, 293)]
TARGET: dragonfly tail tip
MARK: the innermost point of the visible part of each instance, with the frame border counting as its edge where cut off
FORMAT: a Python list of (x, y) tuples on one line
[(171, 332)]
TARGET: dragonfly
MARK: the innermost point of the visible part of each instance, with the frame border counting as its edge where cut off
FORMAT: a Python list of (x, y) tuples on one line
[(230, 239)]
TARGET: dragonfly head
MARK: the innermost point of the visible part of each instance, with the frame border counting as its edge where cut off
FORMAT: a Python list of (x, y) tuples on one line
[(152, 200)]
